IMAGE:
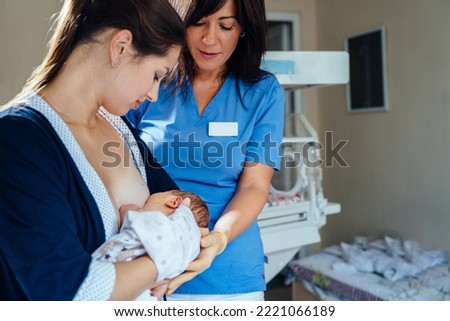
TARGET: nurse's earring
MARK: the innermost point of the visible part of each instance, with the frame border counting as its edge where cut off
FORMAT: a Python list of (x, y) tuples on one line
[(242, 34), (115, 63)]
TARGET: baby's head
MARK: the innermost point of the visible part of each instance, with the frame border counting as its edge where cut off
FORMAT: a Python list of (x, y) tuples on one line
[(174, 198)]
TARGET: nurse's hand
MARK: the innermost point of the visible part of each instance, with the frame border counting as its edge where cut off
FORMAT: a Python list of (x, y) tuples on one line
[(212, 244)]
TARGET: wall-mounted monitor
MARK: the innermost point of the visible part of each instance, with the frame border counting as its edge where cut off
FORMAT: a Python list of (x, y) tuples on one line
[(367, 88)]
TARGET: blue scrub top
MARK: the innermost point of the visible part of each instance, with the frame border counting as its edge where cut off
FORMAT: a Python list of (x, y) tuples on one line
[(199, 161)]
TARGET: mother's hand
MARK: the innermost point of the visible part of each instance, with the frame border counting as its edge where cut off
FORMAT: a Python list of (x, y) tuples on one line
[(212, 244)]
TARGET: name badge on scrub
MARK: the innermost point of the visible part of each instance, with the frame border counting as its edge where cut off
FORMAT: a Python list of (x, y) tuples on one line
[(223, 129)]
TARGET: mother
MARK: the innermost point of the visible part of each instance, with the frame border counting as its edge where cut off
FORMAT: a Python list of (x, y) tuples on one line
[(68, 161)]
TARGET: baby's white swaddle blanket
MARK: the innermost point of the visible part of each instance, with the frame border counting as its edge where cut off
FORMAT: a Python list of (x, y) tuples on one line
[(171, 241)]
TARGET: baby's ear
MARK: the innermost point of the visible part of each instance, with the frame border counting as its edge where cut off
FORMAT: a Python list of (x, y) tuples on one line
[(174, 202), (186, 202)]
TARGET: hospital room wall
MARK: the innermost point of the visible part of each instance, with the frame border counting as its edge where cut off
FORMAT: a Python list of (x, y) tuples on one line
[(398, 179), (23, 34)]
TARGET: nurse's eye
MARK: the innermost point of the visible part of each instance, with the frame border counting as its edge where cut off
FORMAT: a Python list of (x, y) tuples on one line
[(226, 28)]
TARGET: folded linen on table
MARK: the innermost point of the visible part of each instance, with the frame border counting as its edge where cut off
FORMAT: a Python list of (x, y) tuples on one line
[(392, 258)]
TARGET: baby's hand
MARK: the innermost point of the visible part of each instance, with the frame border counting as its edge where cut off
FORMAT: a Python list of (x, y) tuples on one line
[(186, 202), (124, 209)]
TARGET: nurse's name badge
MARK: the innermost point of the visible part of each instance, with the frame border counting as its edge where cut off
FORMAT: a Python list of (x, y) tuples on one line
[(223, 129)]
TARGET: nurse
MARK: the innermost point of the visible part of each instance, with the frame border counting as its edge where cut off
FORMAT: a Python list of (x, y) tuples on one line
[(217, 131)]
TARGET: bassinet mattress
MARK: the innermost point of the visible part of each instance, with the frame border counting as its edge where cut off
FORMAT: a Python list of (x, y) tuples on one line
[(317, 270)]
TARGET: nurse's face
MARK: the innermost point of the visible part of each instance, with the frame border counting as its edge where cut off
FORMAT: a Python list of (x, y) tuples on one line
[(213, 39)]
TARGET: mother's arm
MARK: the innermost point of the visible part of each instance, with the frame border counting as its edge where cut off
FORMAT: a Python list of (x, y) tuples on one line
[(133, 278)]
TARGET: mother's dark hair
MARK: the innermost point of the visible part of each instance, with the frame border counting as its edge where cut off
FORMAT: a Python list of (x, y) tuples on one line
[(154, 24), (245, 62)]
